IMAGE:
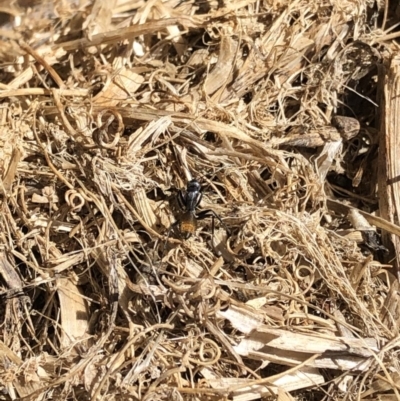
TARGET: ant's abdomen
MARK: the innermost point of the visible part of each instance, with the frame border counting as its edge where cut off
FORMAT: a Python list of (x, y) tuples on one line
[(187, 225)]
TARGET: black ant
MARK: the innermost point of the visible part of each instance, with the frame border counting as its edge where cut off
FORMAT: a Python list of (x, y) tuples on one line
[(188, 201)]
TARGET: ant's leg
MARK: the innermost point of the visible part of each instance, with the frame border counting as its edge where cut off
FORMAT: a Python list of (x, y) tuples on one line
[(181, 200), (200, 198), (218, 246), (166, 239), (210, 213)]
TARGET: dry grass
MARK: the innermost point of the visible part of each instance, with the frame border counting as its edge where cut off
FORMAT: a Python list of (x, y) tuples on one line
[(108, 109)]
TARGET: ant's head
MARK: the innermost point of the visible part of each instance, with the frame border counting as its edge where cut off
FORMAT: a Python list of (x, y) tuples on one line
[(193, 186)]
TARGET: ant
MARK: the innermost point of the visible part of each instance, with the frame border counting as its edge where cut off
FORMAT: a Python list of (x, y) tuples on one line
[(188, 201)]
